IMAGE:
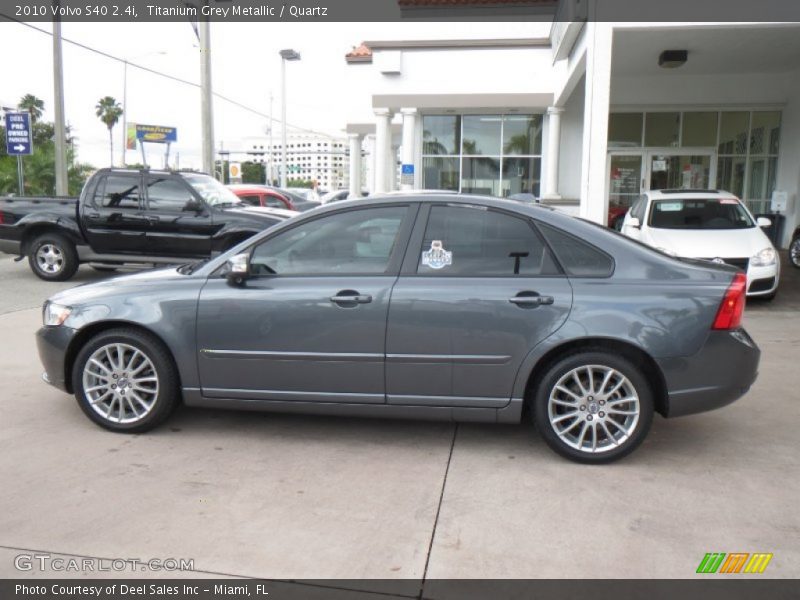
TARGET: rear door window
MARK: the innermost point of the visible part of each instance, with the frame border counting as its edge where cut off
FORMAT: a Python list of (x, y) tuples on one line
[(468, 241), (118, 192)]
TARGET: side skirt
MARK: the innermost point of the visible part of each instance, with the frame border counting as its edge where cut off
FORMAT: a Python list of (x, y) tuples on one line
[(511, 413)]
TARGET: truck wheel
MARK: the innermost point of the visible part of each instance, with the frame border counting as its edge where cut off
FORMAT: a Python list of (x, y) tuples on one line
[(53, 257)]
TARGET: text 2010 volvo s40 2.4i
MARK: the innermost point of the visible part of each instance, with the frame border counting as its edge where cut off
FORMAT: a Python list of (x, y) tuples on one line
[(445, 307)]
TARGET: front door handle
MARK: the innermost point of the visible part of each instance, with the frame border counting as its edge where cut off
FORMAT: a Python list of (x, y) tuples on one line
[(350, 297), (531, 300)]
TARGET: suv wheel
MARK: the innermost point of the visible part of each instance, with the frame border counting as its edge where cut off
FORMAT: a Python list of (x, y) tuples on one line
[(593, 407), (125, 381), (53, 257)]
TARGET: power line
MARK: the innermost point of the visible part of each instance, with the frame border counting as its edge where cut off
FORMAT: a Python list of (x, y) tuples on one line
[(162, 74)]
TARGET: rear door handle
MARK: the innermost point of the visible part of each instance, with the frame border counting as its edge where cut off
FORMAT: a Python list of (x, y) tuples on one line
[(350, 297), (531, 299)]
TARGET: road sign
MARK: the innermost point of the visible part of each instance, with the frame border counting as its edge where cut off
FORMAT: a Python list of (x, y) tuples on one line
[(19, 137), (407, 174), (235, 170)]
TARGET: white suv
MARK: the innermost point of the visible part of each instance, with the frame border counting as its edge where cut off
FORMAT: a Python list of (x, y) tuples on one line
[(707, 224)]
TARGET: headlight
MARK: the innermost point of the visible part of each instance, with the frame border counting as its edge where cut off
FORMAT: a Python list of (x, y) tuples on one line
[(55, 314), (765, 258)]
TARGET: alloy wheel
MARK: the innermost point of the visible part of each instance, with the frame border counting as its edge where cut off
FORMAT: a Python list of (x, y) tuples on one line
[(50, 258), (120, 383), (593, 408)]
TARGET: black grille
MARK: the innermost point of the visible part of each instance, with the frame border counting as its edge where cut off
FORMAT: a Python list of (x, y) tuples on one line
[(742, 263), (762, 285)]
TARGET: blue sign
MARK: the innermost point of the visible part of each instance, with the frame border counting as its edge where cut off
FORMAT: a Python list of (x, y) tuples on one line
[(156, 133), (19, 138), (407, 170)]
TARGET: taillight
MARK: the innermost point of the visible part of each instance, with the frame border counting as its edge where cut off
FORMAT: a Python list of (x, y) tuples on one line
[(729, 315)]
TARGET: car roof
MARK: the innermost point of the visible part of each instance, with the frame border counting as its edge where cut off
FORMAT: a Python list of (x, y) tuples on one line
[(688, 193)]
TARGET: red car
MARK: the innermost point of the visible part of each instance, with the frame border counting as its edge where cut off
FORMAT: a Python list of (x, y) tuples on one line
[(261, 195), (616, 214)]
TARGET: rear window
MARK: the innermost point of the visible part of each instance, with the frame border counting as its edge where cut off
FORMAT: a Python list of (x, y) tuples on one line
[(699, 213), (578, 258)]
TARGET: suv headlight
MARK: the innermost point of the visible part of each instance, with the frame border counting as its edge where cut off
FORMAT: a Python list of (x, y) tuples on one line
[(764, 258), (54, 314)]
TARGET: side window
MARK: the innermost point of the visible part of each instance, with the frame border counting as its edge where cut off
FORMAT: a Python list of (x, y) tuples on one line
[(352, 242), (118, 191), (273, 201), (465, 241), (167, 194), (251, 200), (577, 257)]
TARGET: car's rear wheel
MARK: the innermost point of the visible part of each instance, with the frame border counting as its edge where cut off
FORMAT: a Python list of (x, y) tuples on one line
[(794, 252), (593, 407), (125, 380), (53, 257)]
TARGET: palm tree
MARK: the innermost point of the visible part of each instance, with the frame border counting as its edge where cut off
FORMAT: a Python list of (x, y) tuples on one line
[(33, 105), (109, 111)]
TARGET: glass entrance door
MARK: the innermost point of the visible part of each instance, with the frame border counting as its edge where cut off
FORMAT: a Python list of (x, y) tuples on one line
[(667, 170), (624, 179)]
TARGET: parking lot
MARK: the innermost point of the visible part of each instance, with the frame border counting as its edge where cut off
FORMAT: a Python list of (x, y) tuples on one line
[(293, 497)]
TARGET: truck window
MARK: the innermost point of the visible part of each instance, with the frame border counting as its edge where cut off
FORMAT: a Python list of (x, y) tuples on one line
[(118, 191), (167, 194)]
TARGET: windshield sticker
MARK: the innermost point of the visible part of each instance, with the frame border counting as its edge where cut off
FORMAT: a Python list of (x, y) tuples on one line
[(729, 201), (437, 257), (669, 206)]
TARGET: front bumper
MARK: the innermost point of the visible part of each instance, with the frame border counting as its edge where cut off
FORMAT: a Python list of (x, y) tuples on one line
[(52, 343), (720, 373)]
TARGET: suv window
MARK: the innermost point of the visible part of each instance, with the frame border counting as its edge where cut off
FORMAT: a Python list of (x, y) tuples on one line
[(118, 191), (167, 194), (468, 241), (579, 258), (352, 242)]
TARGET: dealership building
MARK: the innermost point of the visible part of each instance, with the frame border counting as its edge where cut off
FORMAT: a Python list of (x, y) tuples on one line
[(583, 114)]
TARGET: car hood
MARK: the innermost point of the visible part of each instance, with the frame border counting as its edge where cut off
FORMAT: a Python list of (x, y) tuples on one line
[(710, 243), (119, 285)]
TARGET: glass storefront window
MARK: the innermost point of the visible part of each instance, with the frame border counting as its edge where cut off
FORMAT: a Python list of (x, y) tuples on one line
[(733, 132), (441, 173), (521, 176), (481, 176), (699, 129), (481, 135), (730, 174), (522, 134), (625, 130), (441, 134), (661, 129), (625, 179), (765, 132)]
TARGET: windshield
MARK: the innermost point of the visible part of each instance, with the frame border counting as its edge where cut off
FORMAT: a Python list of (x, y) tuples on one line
[(212, 191), (699, 213)]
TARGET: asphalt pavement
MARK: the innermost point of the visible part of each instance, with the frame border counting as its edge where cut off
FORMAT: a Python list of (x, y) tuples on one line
[(298, 497)]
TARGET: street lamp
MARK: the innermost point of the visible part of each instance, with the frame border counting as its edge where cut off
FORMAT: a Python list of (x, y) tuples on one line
[(287, 54), (125, 99)]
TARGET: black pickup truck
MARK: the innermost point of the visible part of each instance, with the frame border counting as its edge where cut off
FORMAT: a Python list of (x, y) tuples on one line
[(129, 216)]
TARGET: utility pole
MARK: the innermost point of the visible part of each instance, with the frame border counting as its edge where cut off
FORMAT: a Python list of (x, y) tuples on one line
[(207, 109), (287, 54), (268, 174), (124, 111), (58, 93)]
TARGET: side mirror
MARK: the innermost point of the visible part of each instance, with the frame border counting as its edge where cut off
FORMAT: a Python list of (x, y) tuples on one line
[(238, 269), (764, 222), (634, 222), (193, 205)]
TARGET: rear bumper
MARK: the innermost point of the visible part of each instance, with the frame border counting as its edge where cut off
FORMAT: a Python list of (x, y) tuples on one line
[(720, 373), (52, 343)]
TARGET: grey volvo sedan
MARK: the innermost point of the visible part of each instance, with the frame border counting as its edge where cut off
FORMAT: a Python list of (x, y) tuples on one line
[(439, 307)]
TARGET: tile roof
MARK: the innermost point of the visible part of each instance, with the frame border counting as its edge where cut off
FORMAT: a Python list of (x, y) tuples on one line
[(361, 54)]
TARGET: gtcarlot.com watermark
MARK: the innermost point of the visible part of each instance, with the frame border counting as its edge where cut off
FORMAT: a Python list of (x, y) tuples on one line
[(49, 563)]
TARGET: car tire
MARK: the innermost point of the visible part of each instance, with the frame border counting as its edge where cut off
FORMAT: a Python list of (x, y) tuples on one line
[(593, 407), (125, 381), (794, 252), (53, 257)]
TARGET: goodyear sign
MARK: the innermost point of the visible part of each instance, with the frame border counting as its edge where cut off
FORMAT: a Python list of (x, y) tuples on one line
[(155, 133)]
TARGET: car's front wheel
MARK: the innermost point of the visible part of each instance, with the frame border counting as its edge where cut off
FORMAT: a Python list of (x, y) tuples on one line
[(794, 252), (593, 407), (125, 380)]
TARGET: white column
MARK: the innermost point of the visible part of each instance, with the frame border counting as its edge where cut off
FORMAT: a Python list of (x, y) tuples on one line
[(355, 165), (594, 195), (409, 143), (391, 169), (553, 149), (383, 140)]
